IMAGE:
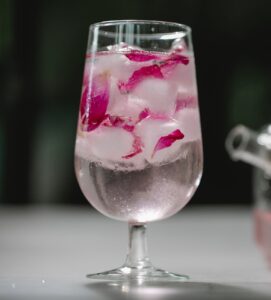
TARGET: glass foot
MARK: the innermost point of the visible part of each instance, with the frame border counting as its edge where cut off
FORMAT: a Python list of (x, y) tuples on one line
[(145, 274)]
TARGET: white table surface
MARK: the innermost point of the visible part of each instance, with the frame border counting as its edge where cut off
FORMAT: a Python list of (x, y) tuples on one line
[(46, 252)]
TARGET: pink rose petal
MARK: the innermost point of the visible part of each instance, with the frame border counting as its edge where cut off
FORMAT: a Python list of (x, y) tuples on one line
[(129, 128), (138, 76), (137, 147), (146, 113), (139, 55), (116, 121), (168, 140), (120, 122), (158, 70), (178, 58), (94, 102), (171, 62)]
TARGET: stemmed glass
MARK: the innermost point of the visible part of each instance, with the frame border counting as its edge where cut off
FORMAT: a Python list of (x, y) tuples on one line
[(138, 152)]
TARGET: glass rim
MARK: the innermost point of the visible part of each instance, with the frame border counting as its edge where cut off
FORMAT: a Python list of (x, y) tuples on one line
[(182, 30)]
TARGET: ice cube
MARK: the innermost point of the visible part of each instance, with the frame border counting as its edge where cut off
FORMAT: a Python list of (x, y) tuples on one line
[(116, 64), (184, 76), (189, 123), (104, 143), (159, 95), (82, 147), (121, 105), (117, 100), (150, 132)]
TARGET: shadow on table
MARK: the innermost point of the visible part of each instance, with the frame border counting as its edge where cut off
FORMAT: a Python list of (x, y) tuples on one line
[(172, 290)]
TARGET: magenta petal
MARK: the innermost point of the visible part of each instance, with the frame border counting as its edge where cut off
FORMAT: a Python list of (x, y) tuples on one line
[(94, 102), (171, 62), (137, 147), (177, 58), (129, 128), (144, 114), (120, 122), (138, 76), (116, 121), (168, 140), (139, 55)]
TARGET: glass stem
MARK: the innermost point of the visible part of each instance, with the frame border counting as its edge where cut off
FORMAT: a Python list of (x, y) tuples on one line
[(137, 255)]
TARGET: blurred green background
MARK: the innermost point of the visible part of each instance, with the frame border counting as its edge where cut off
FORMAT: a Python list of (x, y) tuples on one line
[(42, 49)]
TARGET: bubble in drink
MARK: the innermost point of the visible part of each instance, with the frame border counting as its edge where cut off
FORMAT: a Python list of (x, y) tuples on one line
[(143, 195), (156, 94)]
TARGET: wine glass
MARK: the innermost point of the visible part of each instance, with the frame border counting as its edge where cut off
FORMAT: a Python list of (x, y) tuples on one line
[(138, 152)]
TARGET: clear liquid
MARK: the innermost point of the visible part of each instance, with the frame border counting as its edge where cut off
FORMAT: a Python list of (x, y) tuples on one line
[(139, 196)]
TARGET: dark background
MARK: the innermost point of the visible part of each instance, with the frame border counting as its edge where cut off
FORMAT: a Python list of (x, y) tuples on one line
[(42, 49)]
